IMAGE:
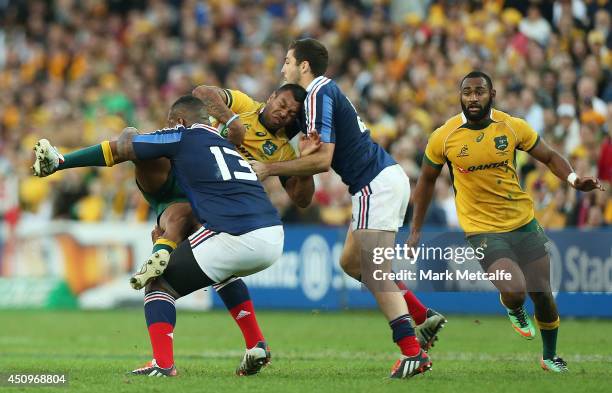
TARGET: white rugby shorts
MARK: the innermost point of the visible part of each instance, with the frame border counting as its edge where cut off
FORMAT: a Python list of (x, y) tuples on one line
[(382, 204), (221, 255)]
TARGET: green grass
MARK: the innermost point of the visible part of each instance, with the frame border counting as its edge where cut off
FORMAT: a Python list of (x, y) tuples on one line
[(312, 352)]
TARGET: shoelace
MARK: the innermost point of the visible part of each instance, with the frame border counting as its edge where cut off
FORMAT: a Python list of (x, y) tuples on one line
[(520, 316), (560, 362)]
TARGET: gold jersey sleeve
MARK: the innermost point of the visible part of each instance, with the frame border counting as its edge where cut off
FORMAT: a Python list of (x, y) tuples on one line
[(241, 103), (435, 154), (526, 136)]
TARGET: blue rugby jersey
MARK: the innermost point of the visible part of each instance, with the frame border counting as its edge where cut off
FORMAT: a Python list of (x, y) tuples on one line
[(223, 190), (357, 158)]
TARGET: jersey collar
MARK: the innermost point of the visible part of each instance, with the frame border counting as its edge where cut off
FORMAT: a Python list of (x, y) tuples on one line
[(477, 127), (314, 82)]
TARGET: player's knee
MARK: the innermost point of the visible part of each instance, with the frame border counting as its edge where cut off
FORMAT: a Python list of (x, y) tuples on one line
[(177, 221)]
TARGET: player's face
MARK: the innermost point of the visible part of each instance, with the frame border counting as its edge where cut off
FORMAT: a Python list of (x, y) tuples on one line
[(281, 109), (291, 70), (476, 98)]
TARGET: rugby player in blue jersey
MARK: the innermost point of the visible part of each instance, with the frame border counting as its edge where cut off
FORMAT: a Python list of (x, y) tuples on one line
[(379, 187), (240, 232)]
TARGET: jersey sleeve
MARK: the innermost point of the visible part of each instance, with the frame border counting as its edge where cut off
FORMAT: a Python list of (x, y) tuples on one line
[(239, 102), (162, 143), (434, 152), (526, 137), (320, 115)]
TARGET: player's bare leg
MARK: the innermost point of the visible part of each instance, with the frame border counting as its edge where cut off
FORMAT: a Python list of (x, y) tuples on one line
[(176, 223), (512, 296), (537, 275), (357, 261), (432, 322)]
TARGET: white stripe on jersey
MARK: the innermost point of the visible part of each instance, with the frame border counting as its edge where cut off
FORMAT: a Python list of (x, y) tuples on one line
[(207, 128), (311, 103)]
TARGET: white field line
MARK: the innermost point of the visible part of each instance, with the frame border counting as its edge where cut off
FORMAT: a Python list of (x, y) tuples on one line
[(322, 355)]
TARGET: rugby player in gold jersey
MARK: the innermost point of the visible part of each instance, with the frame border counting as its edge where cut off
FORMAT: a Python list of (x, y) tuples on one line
[(479, 146)]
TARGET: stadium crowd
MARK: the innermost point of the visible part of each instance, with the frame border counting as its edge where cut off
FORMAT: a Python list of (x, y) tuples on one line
[(78, 72)]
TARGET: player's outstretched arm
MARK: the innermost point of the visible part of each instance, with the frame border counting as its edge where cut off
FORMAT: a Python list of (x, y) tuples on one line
[(559, 166), (421, 200), (216, 104)]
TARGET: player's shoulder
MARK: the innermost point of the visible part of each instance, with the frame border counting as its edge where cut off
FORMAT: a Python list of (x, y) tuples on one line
[(322, 85), (203, 130), (448, 127), (503, 117), (243, 101)]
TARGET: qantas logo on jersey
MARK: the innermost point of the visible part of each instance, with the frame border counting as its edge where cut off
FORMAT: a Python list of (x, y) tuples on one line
[(475, 168), (245, 153)]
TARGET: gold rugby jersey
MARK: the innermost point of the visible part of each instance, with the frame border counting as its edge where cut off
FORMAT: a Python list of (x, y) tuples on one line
[(259, 143), (482, 163)]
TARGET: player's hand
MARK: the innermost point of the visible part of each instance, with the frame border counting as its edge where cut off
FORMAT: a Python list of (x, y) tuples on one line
[(309, 143), (260, 169), (588, 184), (236, 132), (156, 233), (413, 242)]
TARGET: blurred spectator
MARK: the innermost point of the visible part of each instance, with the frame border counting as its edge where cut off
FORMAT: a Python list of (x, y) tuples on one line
[(534, 26), (532, 112), (568, 129), (78, 72)]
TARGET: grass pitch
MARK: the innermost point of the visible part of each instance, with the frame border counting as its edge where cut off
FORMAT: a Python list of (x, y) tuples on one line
[(312, 352)]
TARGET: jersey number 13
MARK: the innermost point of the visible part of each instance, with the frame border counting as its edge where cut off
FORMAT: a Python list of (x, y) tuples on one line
[(226, 174)]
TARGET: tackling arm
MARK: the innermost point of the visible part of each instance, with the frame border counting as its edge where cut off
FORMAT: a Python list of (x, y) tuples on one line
[(301, 188), (317, 162)]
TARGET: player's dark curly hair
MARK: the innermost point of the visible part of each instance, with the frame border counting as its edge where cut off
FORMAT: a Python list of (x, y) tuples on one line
[(297, 91), (478, 74), (188, 102), (312, 51), (190, 106)]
